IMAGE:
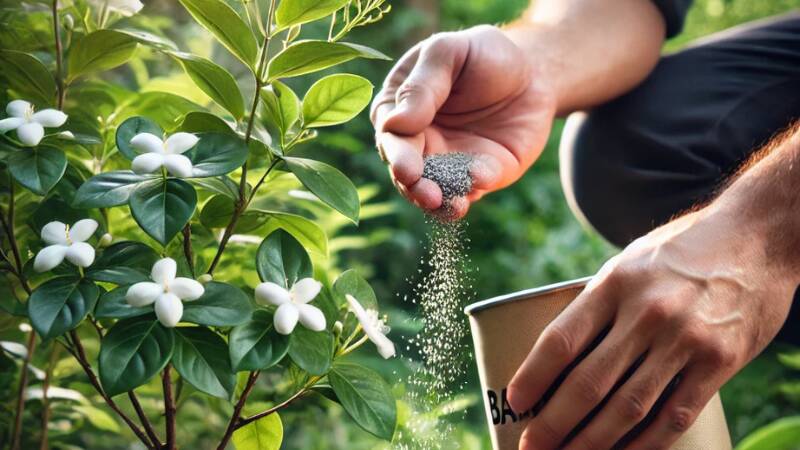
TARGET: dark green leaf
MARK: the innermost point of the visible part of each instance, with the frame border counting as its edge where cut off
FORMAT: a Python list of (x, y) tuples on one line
[(222, 305), (201, 357), (132, 352), (217, 213), (217, 154), (302, 11), (220, 185), (26, 75), (312, 351), (214, 80), (256, 345), (350, 282), (98, 51), (335, 99), (38, 168), (108, 189), (130, 128), (223, 22), (112, 305), (163, 207), (327, 183), (282, 260), (203, 122), (304, 57), (281, 105), (366, 397), (9, 302), (60, 304), (123, 263)]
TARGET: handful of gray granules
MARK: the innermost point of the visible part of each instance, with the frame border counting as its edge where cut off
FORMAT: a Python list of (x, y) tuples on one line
[(451, 172)]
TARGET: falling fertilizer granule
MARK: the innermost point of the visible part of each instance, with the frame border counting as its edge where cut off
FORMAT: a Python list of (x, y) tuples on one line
[(433, 388)]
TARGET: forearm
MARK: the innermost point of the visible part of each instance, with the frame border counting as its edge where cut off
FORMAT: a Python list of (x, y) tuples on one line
[(590, 51)]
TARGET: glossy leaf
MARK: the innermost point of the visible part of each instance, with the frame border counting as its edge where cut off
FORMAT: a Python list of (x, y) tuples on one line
[(366, 397), (263, 434), (327, 183), (26, 75), (312, 351), (350, 282), (308, 232), (256, 345), (132, 352), (304, 57), (217, 154), (222, 305), (163, 207), (282, 260), (201, 357), (200, 122), (60, 304), (214, 80), (38, 168), (112, 305), (123, 263), (782, 434), (335, 99), (217, 213), (98, 51), (297, 12), (108, 189), (281, 105), (223, 22), (130, 128), (149, 39)]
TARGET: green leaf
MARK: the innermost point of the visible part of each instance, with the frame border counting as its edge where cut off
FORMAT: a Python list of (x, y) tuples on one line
[(335, 99), (327, 183), (297, 12), (132, 352), (217, 154), (282, 260), (214, 80), (263, 434), (130, 128), (112, 305), (123, 263), (223, 22), (26, 75), (201, 357), (98, 418), (782, 434), (162, 207), (350, 282), (108, 189), (256, 345), (150, 39), (199, 122), (217, 213), (308, 232), (312, 351), (222, 305), (281, 105), (60, 304), (790, 359), (304, 57), (38, 168), (98, 51), (219, 185), (366, 397)]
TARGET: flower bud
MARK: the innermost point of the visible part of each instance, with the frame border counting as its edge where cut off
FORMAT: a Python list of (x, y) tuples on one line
[(25, 328), (105, 240), (205, 278), (337, 327), (69, 22)]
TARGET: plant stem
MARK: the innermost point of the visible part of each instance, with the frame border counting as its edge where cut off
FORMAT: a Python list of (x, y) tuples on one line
[(148, 427), (169, 408), (188, 252), (80, 355), (44, 443), (59, 57), (8, 226), (237, 410), (279, 406), (16, 435)]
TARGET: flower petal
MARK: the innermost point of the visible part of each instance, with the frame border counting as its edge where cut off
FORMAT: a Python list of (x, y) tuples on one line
[(50, 118), (186, 288), (269, 293), (178, 165), (169, 309), (305, 290), (286, 318), (385, 346), (164, 271), (143, 293), (12, 123), (54, 233), (357, 309), (147, 143), (311, 317), (18, 108), (147, 163), (49, 257), (126, 8), (81, 254), (179, 143), (82, 230), (30, 133)]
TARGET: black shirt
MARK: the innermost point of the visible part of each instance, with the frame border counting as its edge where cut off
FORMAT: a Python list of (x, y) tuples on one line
[(674, 12)]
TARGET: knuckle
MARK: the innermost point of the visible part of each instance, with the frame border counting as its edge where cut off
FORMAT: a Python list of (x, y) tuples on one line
[(584, 442), (588, 387), (680, 418), (695, 336), (631, 407), (719, 355), (656, 312), (411, 88), (557, 343), (549, 434), (439, 43)]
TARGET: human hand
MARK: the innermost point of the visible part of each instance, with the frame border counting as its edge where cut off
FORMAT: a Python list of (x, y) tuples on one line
[(699, 297), (471, 91)]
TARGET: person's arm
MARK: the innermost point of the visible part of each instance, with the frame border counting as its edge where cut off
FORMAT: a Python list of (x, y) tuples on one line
[(700, 297)]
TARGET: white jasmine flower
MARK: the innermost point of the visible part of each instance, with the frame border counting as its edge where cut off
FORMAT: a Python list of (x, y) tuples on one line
[(157, 153), (67, 135), (166, 291), (373, 326), (67, 242), (293, 304), (105, 240), (125, 8), (29, 123)]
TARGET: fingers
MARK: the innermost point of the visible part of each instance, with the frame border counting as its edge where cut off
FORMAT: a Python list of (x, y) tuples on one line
[(404, 156)]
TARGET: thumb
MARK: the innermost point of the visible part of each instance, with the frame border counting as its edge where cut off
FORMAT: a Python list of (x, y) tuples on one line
[(428, 84)]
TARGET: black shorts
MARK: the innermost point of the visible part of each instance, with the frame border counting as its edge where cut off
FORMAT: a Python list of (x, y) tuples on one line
[(633, 163)]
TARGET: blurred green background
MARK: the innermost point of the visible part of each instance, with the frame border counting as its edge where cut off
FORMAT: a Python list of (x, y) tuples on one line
[(522, 237)]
